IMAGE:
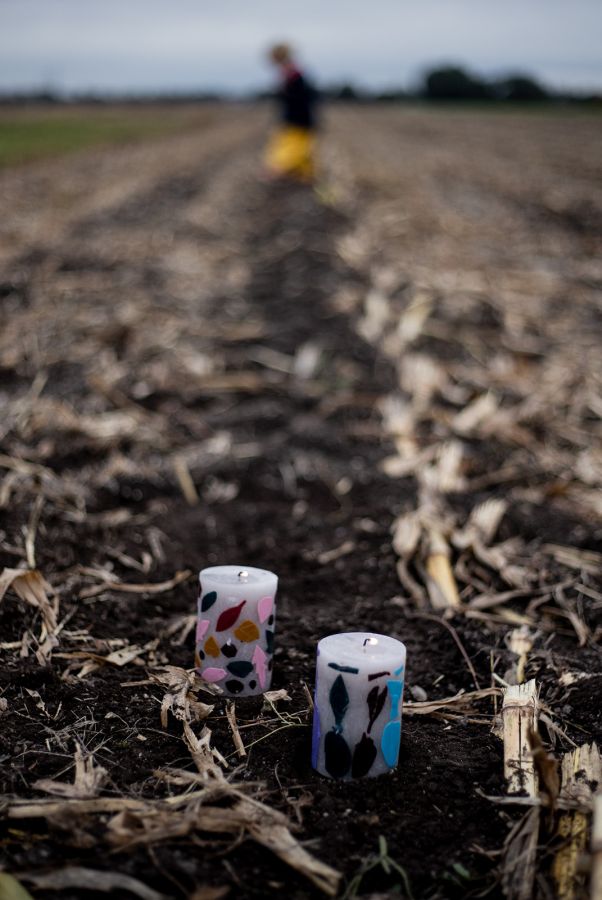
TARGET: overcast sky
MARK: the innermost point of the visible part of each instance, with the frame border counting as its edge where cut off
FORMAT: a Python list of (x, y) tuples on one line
[(145, 45)]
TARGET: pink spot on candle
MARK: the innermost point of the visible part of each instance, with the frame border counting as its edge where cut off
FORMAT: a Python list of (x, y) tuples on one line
[(259, 661), (212, 675), (201, 629), (264, 608)]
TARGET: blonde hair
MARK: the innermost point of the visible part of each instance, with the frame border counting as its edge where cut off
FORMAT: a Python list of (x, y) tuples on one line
[(280, 53)]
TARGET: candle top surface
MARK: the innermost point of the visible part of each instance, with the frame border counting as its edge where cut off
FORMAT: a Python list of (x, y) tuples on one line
[(357, 647), (240, 575)]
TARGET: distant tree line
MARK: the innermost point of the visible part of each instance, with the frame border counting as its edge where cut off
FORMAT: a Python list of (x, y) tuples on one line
[(454, 83), (446, 83)]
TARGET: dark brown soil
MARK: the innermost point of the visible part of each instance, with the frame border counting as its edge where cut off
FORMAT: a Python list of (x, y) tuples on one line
[(305, 480)]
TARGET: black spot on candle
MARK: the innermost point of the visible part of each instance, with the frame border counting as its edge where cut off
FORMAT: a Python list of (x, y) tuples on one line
[(363, 757), (351, 670), (229, 649), (208, 601), (252, 684), (339, 699), (201, 654), (269, 641), (337, 756), (376, 701), (271, 620), (377, 675), (241, 668), (235, 687)]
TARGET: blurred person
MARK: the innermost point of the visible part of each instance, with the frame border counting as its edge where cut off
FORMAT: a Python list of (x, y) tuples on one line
[(290, 151)]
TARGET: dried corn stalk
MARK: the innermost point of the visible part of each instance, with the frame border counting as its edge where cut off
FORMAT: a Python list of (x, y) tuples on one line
[(421, 377), (413, 318), (461, 704), (180, 695), (265, 825), (145, 822), (375, 318), (88, 781), (483, 522), (231, 716), (185, 481), (477, 535), (519, 718), (475, 414), (441, 584), (420, 537), (520, 848), (445, 475), (581, 768), (76, 878), (406, 538), (520, 642), (399, 422), (29, 585), (596, 877)]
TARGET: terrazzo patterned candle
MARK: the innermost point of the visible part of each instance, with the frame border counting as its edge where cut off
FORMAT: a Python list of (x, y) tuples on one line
[(357, 709), (235, 628)]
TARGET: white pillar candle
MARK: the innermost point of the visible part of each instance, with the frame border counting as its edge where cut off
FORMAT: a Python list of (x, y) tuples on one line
[(235, 628), (357, 709)]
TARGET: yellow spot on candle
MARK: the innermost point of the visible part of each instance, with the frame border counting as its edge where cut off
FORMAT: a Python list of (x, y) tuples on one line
[(247, 631), (211, 647)]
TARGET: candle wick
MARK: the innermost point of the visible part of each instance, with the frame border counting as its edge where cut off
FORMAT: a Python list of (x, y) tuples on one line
[(243, 575)]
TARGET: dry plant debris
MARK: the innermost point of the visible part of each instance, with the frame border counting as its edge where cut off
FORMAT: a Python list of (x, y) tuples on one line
[(88, 782), (581, 775), (180, 697), (483, 370), (519, 857), (519, 717), (78, 878), (31, 587), (365, 389), (596, 847), (140, 822)]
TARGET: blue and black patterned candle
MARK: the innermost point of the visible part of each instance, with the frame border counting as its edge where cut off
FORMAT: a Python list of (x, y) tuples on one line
[(235, 628), (357, 709)]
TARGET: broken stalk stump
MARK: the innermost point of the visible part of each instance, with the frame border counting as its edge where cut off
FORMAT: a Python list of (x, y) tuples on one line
[(441, 584), (596, 878), (581, 768), (519, 718), (231, 716)]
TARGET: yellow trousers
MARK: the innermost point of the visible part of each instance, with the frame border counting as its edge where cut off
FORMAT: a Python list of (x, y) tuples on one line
[(290, 151)]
